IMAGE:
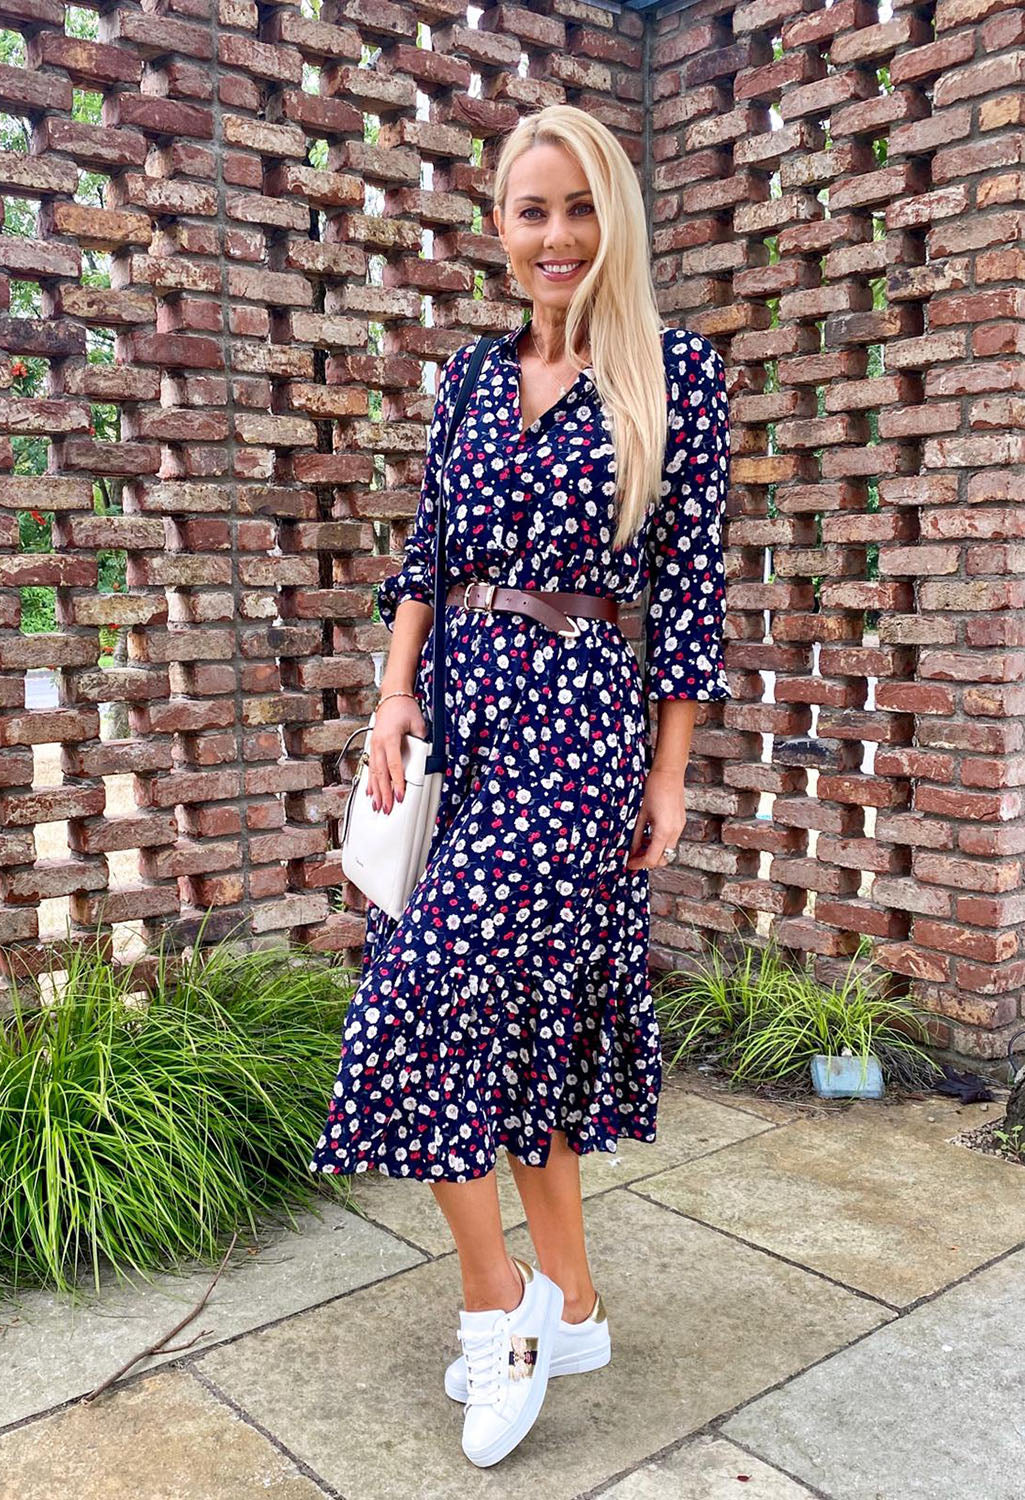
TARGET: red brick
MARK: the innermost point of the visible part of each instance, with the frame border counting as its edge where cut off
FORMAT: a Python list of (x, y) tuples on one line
[(97, 145)]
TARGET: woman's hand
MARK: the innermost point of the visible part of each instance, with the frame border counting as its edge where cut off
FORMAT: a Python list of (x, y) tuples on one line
[(385, 779), (662, 807)]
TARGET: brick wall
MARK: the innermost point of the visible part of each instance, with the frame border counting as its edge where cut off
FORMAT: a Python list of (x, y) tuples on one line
[(237, 244), (837, 204)]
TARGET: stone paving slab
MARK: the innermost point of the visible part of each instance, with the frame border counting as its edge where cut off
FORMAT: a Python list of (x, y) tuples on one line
[(165, 1437), (700, 1323), (52, 1351), (707, 1468), (878, 1209), (688, 1126), (927, 1408), (933, 1116), (934, 1119), (778, 1111)]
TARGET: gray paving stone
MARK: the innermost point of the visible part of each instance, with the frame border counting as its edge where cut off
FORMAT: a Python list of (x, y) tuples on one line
[(712, 1086), (934, 1119), (162, 1438), (700, 1323), (52, 1351), (707, 1468), (688, 1126), (878, 1208), (927, 1408)]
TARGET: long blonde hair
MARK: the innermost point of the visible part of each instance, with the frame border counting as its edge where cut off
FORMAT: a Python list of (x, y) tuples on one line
[(615, 302)]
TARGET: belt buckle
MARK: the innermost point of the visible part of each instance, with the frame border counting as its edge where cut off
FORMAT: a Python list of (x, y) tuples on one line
[(488, 607)]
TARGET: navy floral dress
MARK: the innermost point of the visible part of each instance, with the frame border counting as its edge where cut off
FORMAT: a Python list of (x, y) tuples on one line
[(512, 996)]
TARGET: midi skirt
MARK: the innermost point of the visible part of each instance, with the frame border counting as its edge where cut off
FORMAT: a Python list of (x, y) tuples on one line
[(511, 998)]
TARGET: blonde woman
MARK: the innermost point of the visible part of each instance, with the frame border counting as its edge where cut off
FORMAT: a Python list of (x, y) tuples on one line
[(509, 1008)]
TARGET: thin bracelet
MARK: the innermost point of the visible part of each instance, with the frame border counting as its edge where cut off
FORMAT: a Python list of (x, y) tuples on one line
[(399, 693)]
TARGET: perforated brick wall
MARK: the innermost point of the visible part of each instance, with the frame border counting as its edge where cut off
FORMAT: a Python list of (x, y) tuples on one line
[(238, 242), (837, 205)]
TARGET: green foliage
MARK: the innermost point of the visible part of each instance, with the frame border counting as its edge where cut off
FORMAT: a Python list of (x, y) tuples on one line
[(12, 49), (147, 1112), (38, 610), (82, 23), (35, 530), (31, 451), (15, 133), (87, 106), (1013, 1142), (763, 1020), (108, 642)]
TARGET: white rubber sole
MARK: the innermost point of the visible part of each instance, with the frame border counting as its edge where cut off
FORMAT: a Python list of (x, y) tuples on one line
[(576, 1364), (517, 1431)]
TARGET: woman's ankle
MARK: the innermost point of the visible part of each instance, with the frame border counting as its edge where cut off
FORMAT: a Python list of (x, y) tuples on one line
[(578, 1309), (484, 1294)]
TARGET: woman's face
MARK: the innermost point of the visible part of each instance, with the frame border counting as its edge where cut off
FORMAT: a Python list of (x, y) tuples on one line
[(549, 220)]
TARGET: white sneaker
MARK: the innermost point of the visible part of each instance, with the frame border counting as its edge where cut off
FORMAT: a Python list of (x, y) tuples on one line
[(507, 1355), (578, 1347)]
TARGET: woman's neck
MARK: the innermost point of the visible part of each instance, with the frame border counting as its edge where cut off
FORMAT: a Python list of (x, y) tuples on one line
[(546, 336)]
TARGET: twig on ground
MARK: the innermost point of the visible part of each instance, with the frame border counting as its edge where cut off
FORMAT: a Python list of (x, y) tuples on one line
[(161, 1347)]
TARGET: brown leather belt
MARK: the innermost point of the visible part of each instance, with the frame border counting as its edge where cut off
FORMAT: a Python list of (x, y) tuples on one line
[(552, 607)]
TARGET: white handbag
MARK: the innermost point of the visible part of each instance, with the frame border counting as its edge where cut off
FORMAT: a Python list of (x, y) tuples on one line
[(385, 853)]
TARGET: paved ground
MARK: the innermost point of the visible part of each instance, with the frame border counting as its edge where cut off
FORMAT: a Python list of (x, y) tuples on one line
[(813, 1300)]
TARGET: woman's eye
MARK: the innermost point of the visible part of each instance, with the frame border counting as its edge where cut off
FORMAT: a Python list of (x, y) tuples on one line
[(587, 207)]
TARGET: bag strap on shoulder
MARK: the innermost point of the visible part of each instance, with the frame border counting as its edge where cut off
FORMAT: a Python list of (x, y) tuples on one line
[(438, 756)]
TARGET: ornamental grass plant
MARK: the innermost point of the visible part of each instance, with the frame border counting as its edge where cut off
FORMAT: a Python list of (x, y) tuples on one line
[(760, 1020), (149, 1110)]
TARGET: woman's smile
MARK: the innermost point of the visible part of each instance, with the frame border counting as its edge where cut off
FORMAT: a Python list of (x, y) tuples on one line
[(560, 270)]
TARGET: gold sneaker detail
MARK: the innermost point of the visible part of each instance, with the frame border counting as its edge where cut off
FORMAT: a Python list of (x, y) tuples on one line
[(522, 1357)]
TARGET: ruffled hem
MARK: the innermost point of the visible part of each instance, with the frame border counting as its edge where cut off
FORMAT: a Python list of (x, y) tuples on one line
[(582, 1145), (476, 1059)]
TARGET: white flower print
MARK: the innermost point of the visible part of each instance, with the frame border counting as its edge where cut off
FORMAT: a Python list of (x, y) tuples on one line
[(512, 997)]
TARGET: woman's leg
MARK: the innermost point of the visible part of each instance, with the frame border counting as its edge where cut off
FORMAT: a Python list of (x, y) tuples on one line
[(489, 1277), (555, 1216)]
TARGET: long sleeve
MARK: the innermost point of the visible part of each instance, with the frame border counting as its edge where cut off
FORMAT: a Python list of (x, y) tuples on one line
[(415, 578), (684, 550)]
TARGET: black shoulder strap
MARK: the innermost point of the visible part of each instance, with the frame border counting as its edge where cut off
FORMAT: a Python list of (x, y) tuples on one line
[(437, 758)]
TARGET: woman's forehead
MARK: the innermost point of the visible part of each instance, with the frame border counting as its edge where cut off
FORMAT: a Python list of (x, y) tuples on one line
[(546, 170)]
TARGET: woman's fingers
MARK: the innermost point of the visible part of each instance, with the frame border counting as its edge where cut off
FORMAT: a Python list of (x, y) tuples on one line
[(386, 773), (393, 780), (377, 770), (646, 850), (637, 842)]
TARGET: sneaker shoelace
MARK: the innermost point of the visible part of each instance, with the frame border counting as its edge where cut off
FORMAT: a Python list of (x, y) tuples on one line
[(484, 1353)]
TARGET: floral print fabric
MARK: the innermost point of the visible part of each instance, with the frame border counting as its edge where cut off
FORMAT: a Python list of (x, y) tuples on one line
[(536, 512), (511, 998)]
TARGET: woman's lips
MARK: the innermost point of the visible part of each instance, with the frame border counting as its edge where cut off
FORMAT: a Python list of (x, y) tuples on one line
[(560, 275)]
